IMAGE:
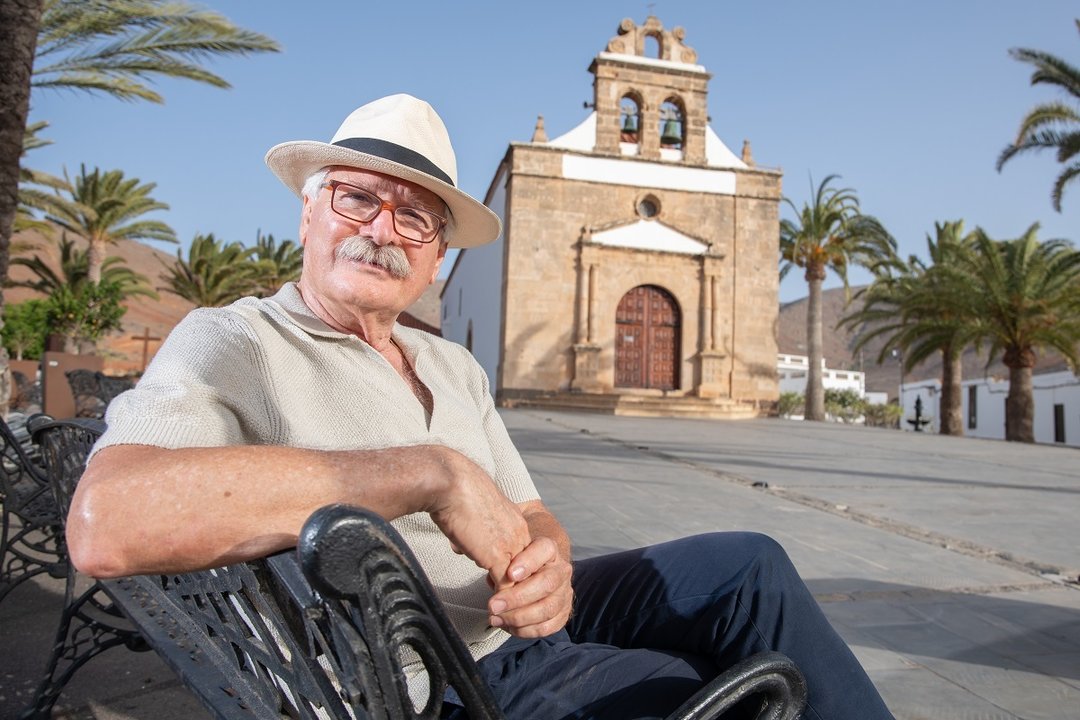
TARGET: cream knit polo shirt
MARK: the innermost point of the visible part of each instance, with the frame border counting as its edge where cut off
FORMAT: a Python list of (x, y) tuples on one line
[(268, 372)]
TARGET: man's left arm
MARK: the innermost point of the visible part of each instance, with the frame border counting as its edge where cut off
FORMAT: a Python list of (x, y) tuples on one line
[(539, 601)]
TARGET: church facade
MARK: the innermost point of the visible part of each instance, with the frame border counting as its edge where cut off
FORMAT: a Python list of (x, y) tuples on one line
[(637, 270)]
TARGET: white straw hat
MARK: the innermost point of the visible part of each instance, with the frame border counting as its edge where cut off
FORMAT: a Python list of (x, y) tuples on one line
[(400, 136)]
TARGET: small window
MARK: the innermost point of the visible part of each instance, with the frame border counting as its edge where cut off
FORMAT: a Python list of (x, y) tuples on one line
[(1059, 423), (973, 408), (648, 207)]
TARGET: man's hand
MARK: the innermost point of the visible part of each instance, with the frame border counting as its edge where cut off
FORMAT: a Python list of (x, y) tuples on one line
[(540, 601), (479, 521)]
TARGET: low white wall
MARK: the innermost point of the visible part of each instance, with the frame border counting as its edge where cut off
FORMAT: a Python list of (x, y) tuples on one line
[(1049, 390)]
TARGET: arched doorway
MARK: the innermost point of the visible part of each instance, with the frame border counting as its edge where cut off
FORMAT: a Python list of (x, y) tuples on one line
[(647, 324)]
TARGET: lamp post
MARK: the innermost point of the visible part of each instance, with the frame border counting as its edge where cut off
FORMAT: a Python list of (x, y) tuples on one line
[(899, 355)]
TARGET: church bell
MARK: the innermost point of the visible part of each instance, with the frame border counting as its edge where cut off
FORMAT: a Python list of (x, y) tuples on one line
[(672, 134)]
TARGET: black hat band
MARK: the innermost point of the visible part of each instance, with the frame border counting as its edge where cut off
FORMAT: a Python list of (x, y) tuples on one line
[(395, 153)]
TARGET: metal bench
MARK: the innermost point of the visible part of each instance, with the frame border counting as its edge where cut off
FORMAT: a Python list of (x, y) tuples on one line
[(89, 623), (31, 536), (319, 631)]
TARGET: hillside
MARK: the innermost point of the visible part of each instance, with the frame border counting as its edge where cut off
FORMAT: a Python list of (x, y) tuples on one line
[(791, 339)]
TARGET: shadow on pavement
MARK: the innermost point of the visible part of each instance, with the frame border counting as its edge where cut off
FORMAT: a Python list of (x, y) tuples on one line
[(1017, 632)]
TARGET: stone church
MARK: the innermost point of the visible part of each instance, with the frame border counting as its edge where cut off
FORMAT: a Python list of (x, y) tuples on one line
[(637, 270)]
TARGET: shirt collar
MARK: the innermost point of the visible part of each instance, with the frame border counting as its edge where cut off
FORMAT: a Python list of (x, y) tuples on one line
[(289, 300)]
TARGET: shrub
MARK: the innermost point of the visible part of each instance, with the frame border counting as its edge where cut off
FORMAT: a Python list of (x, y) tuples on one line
[(791, 403), (887, 415)]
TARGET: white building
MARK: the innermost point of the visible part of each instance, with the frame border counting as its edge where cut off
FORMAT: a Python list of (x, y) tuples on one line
[(791, 371), (1057, 407)]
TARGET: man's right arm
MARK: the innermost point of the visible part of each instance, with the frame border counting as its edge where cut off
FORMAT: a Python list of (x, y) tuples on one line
[(142, 509)]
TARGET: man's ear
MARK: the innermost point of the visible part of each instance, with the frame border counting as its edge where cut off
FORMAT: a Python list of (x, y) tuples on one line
[(305, 220), (438, 262)]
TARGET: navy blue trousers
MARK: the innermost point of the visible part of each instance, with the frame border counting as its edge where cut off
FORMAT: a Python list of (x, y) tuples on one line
[(651, 626)]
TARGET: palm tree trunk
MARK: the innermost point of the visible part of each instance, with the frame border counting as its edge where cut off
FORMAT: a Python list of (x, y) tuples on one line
[(1020, 402), (19, 22), (952, 419), (95, 258), (815, 389)]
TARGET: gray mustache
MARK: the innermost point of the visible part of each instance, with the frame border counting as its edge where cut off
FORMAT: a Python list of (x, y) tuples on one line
[(389, 257)]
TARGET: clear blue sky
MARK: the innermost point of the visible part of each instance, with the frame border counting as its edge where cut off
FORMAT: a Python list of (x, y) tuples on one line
[(910, 103)]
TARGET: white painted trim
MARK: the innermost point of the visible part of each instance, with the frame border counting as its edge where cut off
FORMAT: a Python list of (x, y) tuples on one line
[(646, 174), (653, 62)]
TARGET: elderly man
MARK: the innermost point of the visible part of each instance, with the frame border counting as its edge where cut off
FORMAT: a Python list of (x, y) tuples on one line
[(253, 416)]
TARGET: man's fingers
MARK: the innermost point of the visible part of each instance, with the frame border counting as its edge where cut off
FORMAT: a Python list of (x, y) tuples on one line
[(537, 619), (537, 606), (536, 555)]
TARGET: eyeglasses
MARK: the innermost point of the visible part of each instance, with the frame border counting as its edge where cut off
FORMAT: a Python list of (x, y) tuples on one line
[(360, 205)]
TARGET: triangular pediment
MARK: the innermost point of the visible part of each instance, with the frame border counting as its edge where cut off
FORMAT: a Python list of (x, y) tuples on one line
[(650, 235)]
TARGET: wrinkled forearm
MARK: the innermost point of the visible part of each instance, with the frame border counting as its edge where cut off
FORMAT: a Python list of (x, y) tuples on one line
[(141, 509)]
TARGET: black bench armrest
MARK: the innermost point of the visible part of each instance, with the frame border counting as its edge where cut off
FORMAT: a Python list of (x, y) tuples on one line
[(352, 554), (770, 674)]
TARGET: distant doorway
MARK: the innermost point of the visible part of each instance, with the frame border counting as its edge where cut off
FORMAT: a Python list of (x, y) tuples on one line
[(647, 323)]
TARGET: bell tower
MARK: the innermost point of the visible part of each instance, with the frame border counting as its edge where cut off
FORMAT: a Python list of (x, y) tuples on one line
[(650, 95)]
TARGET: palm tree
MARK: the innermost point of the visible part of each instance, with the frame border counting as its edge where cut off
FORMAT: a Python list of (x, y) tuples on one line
[(1053, 125), (910, 306), (276, 264), (833, 234), (19, 20), (214, 274), (107, 208), (74, 273), (1025, 296)]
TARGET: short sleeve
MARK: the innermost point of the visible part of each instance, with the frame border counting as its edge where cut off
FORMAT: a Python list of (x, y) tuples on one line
[(201, 390)]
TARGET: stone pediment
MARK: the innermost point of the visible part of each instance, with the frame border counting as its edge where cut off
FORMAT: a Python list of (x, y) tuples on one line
[(631, 40), (648, 235)]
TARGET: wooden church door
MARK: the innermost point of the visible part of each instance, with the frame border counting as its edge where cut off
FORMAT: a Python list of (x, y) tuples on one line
[(647, 339)]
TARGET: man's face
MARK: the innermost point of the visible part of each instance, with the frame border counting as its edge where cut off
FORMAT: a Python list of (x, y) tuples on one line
[(346, 288)]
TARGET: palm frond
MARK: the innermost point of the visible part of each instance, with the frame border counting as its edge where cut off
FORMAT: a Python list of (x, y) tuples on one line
[(112, 46), (1053, 125)]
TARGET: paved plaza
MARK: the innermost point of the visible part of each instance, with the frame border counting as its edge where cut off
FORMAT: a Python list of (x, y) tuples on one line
[(950, 565)]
